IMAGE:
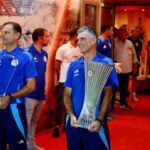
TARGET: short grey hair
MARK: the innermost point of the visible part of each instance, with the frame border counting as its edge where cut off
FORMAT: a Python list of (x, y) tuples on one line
[(91, 30)]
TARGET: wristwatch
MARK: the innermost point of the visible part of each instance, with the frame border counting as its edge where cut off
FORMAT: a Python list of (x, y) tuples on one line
[(100, 120), (10, 96)]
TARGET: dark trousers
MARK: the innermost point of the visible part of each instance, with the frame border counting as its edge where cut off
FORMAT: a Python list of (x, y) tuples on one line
[(123, 84), (60, 103), (83, 139), (13, 127), (113, 98)]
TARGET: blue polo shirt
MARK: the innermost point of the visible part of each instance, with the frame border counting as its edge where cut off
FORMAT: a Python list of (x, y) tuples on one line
[(40, 60), (76, 81), (104, 46), (19, 65)]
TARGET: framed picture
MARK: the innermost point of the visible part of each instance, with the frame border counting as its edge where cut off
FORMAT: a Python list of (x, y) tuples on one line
[(90, 14)]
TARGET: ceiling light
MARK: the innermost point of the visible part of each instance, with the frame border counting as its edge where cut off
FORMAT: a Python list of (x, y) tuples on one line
[(3, 10), (13, 10), (21, 10)]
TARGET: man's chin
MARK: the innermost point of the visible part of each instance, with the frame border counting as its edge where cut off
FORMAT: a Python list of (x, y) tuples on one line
[(5, 43), (44, 45)]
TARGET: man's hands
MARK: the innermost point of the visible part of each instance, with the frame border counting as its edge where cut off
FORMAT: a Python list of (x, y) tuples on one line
[(73, 121), (118, 67), (95, 126), (135, 70), (4, 102)]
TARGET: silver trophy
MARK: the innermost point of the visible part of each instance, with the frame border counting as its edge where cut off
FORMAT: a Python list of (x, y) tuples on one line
[(96, 75)]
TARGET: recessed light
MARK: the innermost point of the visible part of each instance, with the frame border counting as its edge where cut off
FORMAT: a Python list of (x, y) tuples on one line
[(13, 10), (3, 9)]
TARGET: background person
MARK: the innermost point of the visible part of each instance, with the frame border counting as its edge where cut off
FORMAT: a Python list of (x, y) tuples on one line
[(124, 53), (64, 56), (137, 42), (35, 100)]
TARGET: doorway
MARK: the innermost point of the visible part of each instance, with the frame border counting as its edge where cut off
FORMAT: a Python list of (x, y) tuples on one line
[(107, 14)]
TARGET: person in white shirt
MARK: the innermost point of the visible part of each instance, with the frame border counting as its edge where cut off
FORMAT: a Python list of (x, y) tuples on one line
[(124, 53), (64, 56)]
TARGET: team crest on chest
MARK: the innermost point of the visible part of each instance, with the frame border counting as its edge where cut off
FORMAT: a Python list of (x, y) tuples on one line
[(45, 59), (137, 44), (14, 62)]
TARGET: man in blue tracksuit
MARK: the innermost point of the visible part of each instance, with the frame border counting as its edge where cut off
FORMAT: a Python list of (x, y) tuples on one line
[(96, 136), (17, 79), (35, 100), (104, 41), (104, 47)]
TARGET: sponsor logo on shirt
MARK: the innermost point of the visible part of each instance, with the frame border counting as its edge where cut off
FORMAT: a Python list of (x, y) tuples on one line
[(104, 46), (74, 57), (35, 59), (21, 142), (129, 50), (76, 72)]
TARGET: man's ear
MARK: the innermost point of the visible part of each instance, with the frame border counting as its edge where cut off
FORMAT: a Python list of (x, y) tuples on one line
[(17, 35), (94, 41), (40, 38)]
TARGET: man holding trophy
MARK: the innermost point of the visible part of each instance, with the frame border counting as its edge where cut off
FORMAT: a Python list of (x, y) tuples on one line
[(88, 92)]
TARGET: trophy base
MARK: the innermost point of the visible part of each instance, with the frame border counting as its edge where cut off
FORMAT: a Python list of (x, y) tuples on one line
[(85, 121)]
